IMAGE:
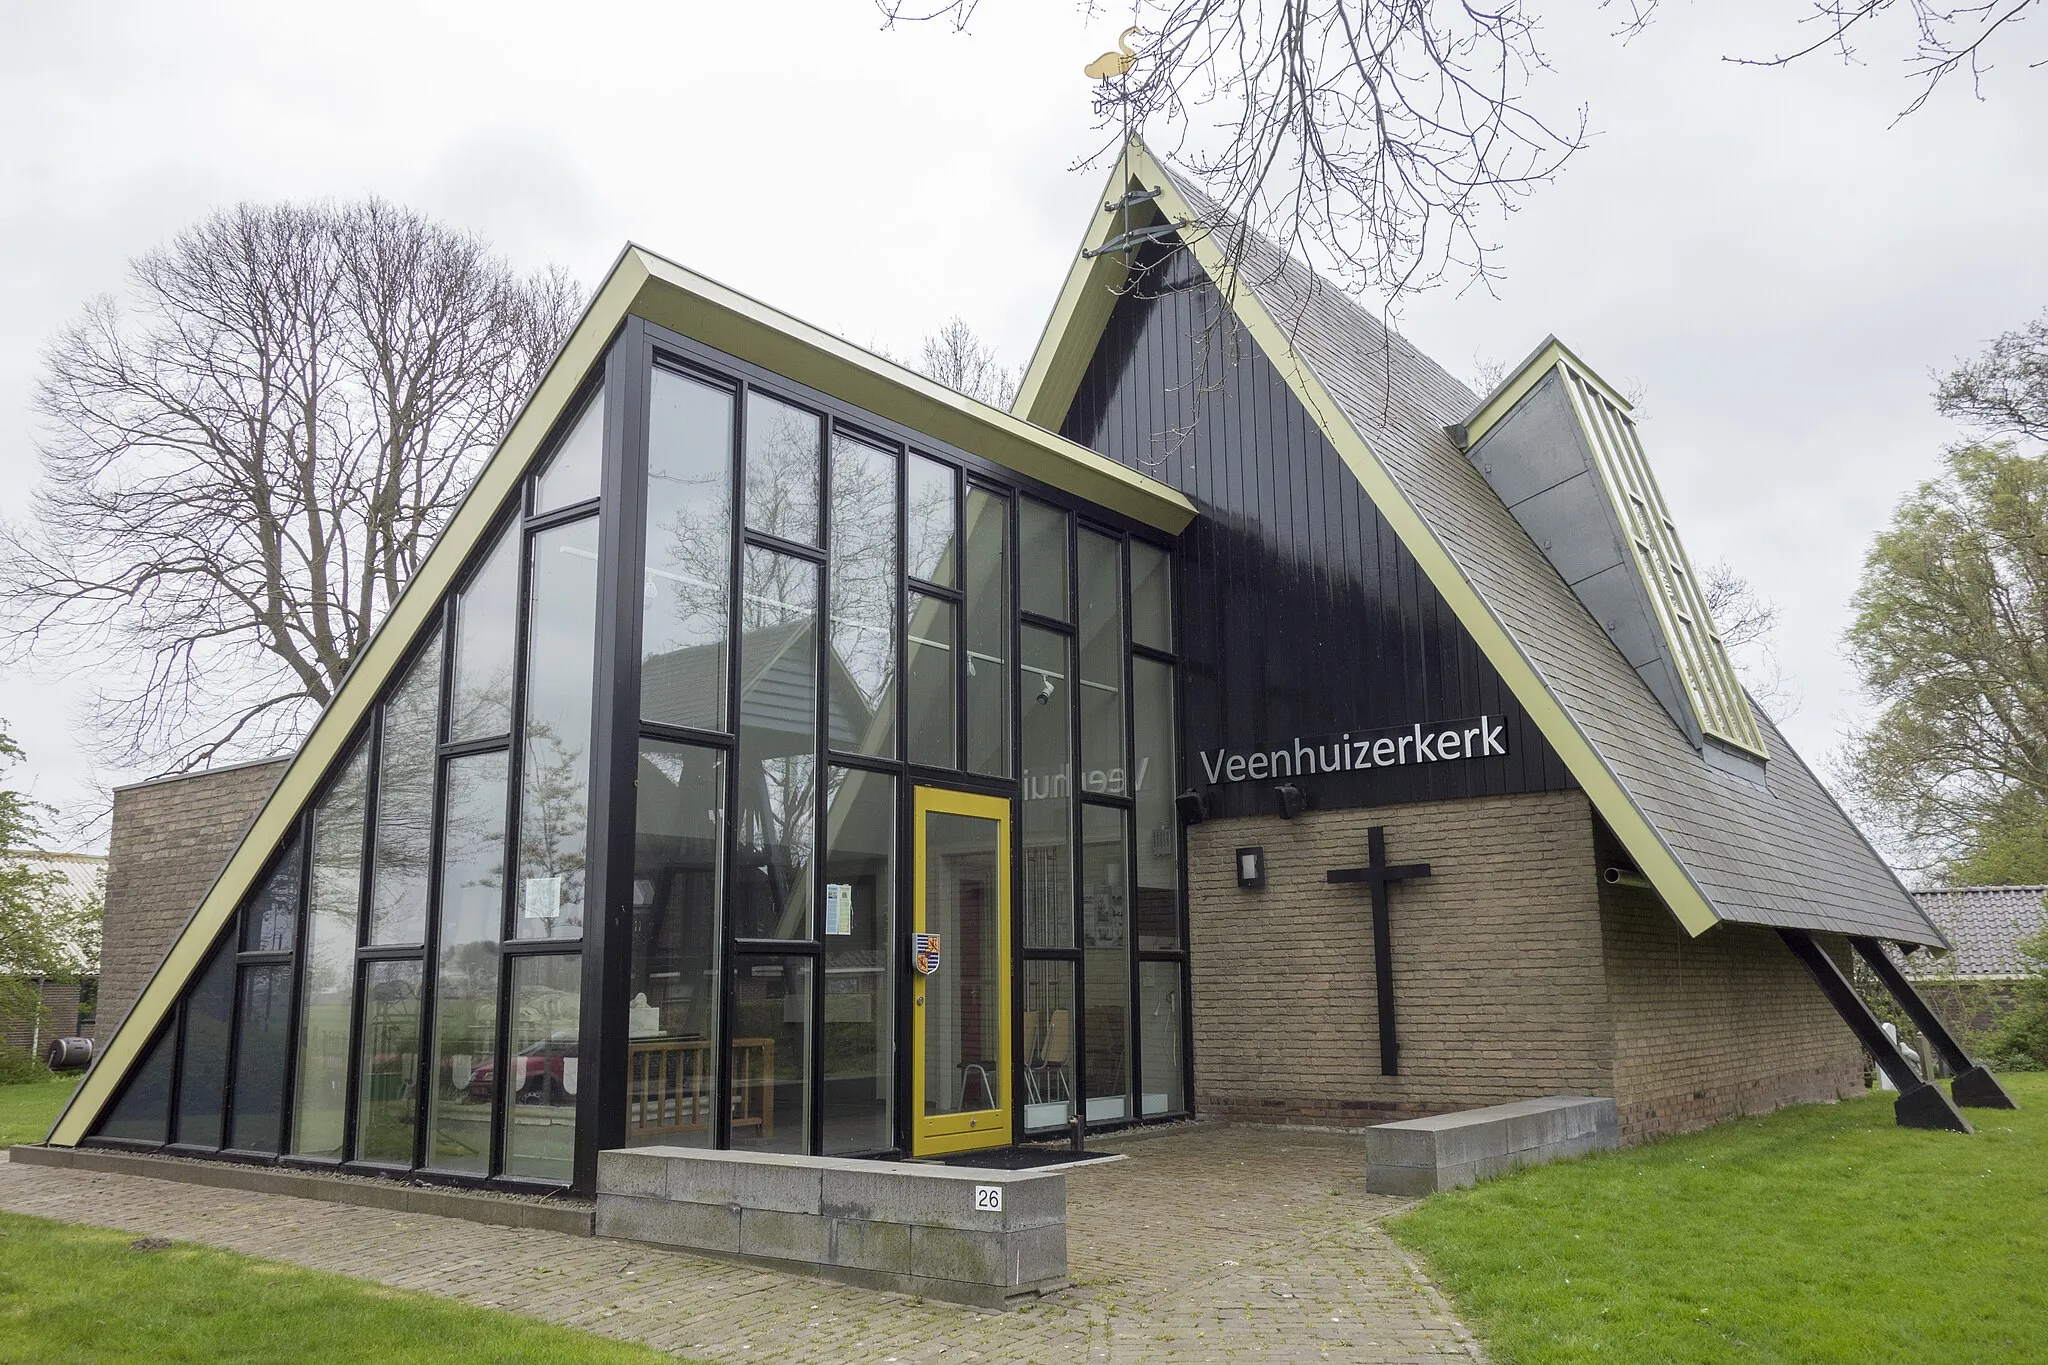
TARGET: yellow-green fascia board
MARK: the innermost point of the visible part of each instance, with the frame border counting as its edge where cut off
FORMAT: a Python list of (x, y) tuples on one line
[(1510, 391), (706, 311), (1667, 875), (645, 285), (1085, 302)]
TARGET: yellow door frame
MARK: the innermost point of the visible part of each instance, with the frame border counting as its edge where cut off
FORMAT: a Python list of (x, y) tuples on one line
[(938, 1135)]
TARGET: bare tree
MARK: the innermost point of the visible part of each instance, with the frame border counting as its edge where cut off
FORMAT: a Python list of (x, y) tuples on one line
[(963, 362), (1747, 622), (1386, 139), (243, 469), (2003, 392)]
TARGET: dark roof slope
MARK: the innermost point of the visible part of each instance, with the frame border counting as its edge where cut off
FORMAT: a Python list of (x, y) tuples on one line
[(1985, 924), (1778, 851)]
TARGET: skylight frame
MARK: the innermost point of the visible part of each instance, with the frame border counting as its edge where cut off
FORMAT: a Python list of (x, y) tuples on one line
[(1697, 651)]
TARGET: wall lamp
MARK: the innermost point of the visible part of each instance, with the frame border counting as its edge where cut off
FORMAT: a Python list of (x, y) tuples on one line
[(1292, 800), (1191, 808), (1251, 868)]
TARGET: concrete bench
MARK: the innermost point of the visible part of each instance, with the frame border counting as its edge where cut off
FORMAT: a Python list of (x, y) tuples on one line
[(987, 1238), (1421, 1156)]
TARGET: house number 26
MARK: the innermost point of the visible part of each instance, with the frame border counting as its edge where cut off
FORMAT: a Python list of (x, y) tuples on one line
[(988, 1198)]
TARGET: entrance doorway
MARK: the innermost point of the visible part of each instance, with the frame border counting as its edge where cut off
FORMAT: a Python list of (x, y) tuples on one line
[(960, 987)]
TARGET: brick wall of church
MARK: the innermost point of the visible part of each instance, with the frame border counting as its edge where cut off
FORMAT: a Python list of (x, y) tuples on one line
[(170, 839), (1711, 1027), (1500, 991)]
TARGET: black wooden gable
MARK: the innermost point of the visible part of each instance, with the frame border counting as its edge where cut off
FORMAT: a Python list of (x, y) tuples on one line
[(1301, 615)]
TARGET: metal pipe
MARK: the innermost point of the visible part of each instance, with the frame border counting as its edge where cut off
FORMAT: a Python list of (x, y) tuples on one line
[(1621, 876)]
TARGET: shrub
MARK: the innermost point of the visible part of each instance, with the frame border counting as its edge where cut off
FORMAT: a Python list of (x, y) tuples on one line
[(18, 1065)]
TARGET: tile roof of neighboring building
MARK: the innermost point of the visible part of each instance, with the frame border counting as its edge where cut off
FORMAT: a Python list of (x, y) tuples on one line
[(1985, 923)]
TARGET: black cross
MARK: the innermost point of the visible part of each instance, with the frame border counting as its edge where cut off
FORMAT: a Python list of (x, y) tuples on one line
[(1379, 875)]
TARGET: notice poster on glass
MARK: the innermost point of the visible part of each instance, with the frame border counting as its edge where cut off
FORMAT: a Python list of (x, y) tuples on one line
[(839, 908)]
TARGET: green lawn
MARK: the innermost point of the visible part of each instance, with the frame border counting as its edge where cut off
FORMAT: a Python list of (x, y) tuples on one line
[(83, 1295), (27, 1110), (1823, 1233)]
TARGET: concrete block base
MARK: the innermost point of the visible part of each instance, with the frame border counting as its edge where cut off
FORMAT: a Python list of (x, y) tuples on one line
[(987, 1238), (1449, 1151)]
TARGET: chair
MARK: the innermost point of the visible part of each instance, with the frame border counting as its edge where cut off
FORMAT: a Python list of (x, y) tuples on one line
[(1055, 1056)]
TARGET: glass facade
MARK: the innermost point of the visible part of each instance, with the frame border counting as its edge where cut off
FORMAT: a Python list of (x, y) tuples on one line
[(815, 620)]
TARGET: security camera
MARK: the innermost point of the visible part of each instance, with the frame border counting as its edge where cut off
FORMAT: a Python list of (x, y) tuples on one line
[(1045, 692)]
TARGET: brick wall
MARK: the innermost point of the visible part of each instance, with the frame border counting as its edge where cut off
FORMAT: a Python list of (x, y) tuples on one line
[(1498, 981), (169, 841), (1517, 973), (1710, 1027), (60, 1018)]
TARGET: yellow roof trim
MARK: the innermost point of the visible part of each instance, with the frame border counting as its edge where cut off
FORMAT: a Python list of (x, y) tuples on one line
[(1082, 310), (1527, 376), (1666, 874), (649, 286)]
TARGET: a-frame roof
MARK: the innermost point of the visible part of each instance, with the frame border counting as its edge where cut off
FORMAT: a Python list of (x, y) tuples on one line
[(1769, 849), (644, 285)]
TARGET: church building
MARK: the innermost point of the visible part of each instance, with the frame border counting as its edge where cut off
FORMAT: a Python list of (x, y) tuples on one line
[(1253, 723)]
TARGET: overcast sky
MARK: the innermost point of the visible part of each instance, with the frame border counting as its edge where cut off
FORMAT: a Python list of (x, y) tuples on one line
[(1773, 264)]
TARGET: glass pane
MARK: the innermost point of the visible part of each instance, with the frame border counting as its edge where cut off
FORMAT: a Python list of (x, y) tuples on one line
[(673, 986), (1048, 1032), (771, 1054), (686, 592), (933, 521), (330, 968), (405, 804), (1154, 786), (262, 1042), (485, 618), (203, 1078), (1048, 808), (1042, 559), (1159, 1035), (387, 1108), (466, 970), (934, 738), (963, 1023), (988, 633), (554, 775), (862, 670), (1102, 665), (143, 1112), (785, 455), (1151, 596), (1106, 964), (270, 917), (778, 745), (540, 1103), (575, 471), (860, 923)]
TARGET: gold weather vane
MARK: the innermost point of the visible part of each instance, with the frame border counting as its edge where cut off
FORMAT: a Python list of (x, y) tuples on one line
[(1113, 64)]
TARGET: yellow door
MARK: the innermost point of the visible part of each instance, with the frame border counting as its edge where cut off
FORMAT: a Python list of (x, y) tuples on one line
[(960, 979)]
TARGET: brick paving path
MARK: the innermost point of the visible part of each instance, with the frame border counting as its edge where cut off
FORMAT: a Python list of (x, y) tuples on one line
[(1206, 1244)]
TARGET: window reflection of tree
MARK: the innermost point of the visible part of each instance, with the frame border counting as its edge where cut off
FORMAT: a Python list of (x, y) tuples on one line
[(553, 817), (405, 804), (862, 628)]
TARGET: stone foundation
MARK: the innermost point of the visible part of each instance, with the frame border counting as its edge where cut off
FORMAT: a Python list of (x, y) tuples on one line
[(913, 1228)]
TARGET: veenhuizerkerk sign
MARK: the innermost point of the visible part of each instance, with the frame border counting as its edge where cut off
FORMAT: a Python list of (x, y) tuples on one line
[(753, 669), (1435, 743)]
